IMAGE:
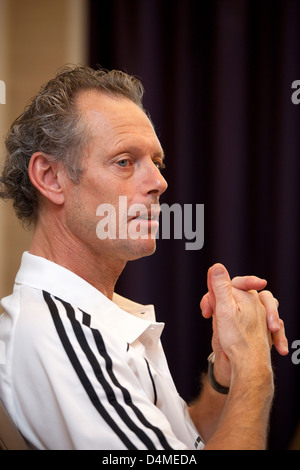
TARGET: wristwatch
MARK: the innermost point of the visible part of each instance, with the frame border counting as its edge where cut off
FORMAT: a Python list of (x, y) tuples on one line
[(211, 377)]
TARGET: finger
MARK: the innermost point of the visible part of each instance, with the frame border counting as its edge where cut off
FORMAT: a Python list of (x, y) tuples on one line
[(280, 341), (211, 295), (219, 285), (248, 283), (205, 306), (271, 306)]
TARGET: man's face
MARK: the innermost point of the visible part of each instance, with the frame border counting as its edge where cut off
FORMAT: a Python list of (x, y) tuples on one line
[(122, 158)]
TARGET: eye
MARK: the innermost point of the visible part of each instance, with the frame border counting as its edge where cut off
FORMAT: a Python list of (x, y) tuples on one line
[(159, 164), (123, 163)]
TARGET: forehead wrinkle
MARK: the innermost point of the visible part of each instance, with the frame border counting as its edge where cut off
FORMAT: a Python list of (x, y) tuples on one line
[(135, 148), (113, 128)]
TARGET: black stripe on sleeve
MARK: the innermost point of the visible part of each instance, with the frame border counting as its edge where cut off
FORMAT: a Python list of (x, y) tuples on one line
[(109, 391), (127, 398), (86, 319), (81, 373)]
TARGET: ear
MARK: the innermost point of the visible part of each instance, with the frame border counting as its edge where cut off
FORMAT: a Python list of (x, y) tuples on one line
[(45, 175)]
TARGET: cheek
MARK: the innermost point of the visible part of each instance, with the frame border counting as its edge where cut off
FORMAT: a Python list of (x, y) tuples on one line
[(94, 190), (80, 221), (80, 213)]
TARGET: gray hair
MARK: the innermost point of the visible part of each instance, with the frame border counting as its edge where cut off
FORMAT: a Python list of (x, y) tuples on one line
[(51, 124)]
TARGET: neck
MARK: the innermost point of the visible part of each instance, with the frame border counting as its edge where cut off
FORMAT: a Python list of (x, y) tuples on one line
[(54, 243)]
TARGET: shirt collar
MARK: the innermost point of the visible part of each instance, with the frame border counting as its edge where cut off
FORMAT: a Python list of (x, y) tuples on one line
[(131, 320)]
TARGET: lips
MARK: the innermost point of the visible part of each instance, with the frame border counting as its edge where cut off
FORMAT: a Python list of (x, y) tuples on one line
[(151, 215), (142, 221)]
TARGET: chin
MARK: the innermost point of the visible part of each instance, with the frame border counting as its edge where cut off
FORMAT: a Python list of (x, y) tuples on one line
[(141, 249)]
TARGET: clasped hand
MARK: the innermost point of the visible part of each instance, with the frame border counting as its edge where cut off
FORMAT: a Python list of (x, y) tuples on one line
[(247, 297)]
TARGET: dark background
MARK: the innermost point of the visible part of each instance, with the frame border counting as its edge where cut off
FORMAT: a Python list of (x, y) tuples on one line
[(218, 78)]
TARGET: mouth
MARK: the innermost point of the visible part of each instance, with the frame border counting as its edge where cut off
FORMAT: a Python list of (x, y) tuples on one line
[(142, 221), (146, 217), (149, 216), (144, 224)]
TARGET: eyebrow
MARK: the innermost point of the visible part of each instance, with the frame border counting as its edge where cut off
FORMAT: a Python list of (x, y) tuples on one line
[(159, 154), (134, 148)]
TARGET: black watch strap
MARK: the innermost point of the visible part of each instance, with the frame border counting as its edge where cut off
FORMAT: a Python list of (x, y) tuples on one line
[(211, 377)]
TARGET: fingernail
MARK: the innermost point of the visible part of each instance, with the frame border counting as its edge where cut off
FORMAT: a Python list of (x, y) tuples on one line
[(218, 271)]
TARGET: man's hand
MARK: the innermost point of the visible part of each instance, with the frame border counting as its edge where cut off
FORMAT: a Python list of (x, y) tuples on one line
[(241, 318), (239, 285), (248, 283)]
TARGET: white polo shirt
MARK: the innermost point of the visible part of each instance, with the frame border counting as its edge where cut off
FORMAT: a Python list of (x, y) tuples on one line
[(79, 371)]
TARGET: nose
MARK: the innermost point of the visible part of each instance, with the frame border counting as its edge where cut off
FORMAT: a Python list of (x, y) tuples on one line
[(154, 182)]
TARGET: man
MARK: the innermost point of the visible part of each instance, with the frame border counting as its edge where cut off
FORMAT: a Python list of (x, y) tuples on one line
[(85, 367)]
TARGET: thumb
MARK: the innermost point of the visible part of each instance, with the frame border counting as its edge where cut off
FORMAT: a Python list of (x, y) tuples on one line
[(220, 284)]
